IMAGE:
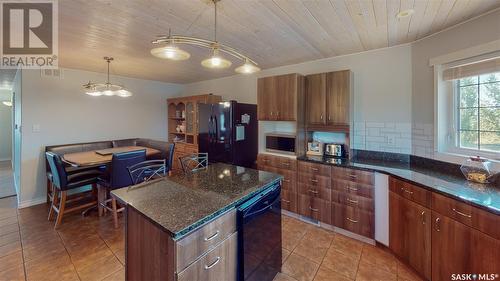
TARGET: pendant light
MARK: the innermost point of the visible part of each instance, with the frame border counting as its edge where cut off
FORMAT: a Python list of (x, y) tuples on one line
[(106, 89), (169, 50), (216, 61)]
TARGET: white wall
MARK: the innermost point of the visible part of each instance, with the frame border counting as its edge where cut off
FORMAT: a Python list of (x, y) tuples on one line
[(64, 114), (382, 94), (5, 127), (481, 30)]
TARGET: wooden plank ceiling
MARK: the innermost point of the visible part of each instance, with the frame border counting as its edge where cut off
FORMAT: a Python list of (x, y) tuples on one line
[(272, 32)]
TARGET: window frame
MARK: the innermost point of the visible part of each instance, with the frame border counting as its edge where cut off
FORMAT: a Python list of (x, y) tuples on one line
[(457, 148)]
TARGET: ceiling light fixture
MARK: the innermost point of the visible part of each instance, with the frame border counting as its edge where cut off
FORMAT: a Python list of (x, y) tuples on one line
[(405, 13), (168, 49), (7, 103), (106, 89)]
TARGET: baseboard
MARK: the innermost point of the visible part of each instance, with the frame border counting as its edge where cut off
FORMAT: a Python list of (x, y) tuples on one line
[(31, 202)]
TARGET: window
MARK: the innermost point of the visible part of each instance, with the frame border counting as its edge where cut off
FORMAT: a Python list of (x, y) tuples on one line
[(478, 111)]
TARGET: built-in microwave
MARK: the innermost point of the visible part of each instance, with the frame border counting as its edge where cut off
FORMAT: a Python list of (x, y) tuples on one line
[(280, 143)]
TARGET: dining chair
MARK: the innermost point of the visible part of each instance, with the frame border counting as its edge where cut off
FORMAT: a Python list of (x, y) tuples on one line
[(62, 182), (194, 162), (170, 160), (148, 170), (117, 176)]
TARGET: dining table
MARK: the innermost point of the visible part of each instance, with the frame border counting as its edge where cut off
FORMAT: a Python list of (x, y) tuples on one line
[(102, 156)]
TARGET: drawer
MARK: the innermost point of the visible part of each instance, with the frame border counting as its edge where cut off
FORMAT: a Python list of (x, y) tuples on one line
[(452, 208), (279, 162), (353, 220), (315, 208), (289, 183), (314, 169), (285, 163), (202, 240), (354, 188), (289, 200), (412, 192), (315, 191), (218, 264), (314, 180), (486, 222), (358, 202), (353, 175), (289, 177)]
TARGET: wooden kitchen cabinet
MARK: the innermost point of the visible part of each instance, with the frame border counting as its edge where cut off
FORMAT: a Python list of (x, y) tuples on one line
[(280, 98), (328, 100), (458, 248), (410, 233), (316, 99), (338, 91)]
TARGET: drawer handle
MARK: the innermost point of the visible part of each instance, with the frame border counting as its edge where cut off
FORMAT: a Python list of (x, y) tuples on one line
[(313, 180), (312, 209), (352, 201), (212, 264), (351, 220), (212, 236), (423, 217), (286, 201), (437, 227), (266, 160), (285, 180), (352, 188), (462, 214), (407, 191), (315, 169), (313, 191), (285, 163), (352, 176)]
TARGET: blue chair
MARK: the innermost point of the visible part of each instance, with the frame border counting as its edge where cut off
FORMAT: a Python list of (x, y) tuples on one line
[(62, 181), (170, 160), (117, 176), (194, 162)]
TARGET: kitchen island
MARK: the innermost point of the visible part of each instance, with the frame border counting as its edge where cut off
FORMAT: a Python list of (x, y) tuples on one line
[(185, 227)]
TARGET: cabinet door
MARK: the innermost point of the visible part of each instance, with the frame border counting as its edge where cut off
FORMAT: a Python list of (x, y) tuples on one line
[(460, 249), (266, 89), (337, 97), (190, 118), (410, 233), (316, 99), (286, 97)]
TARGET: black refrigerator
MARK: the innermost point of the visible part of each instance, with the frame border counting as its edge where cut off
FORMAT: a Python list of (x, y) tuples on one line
[(227, 131)]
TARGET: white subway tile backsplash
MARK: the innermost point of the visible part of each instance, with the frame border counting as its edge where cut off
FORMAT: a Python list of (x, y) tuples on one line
[(375, 125)]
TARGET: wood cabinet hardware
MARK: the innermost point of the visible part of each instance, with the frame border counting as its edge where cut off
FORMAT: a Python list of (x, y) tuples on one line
[(407, 191), (313, 180), (313, 191), (286, 201), (352, 176), (285, 180), (285, 163), (212, 236), (351, 188), (315, 169), (437, 224), (352, 201), (351, 220), (462, 214), (212, 264), (312, 209), (423, 217)]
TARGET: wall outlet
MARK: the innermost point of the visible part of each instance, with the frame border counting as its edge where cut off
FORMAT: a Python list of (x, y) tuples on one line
[(391, 140)]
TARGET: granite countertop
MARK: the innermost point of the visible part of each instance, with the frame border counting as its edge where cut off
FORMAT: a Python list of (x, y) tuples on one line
[(485, 196), (181, 203)]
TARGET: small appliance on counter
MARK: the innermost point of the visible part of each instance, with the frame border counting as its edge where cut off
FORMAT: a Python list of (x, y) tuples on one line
[(335, 150), (315, 148)]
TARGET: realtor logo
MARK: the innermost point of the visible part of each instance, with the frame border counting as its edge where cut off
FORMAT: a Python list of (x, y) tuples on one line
[(29, 34)]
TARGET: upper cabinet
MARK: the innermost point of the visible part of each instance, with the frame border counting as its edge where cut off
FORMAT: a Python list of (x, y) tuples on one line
[(328, 100), (280, 98)]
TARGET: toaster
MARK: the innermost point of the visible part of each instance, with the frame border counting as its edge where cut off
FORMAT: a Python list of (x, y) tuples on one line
[(335, 150)]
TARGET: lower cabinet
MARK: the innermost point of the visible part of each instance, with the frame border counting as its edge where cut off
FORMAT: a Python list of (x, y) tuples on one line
[(315, 208), (457, 249), (353, 219), (410, 233)]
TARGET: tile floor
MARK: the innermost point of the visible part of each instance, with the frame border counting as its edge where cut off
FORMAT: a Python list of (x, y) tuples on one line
[(89, 248)]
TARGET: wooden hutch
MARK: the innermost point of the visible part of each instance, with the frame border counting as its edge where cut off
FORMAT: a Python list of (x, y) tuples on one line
[(183, 124)]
